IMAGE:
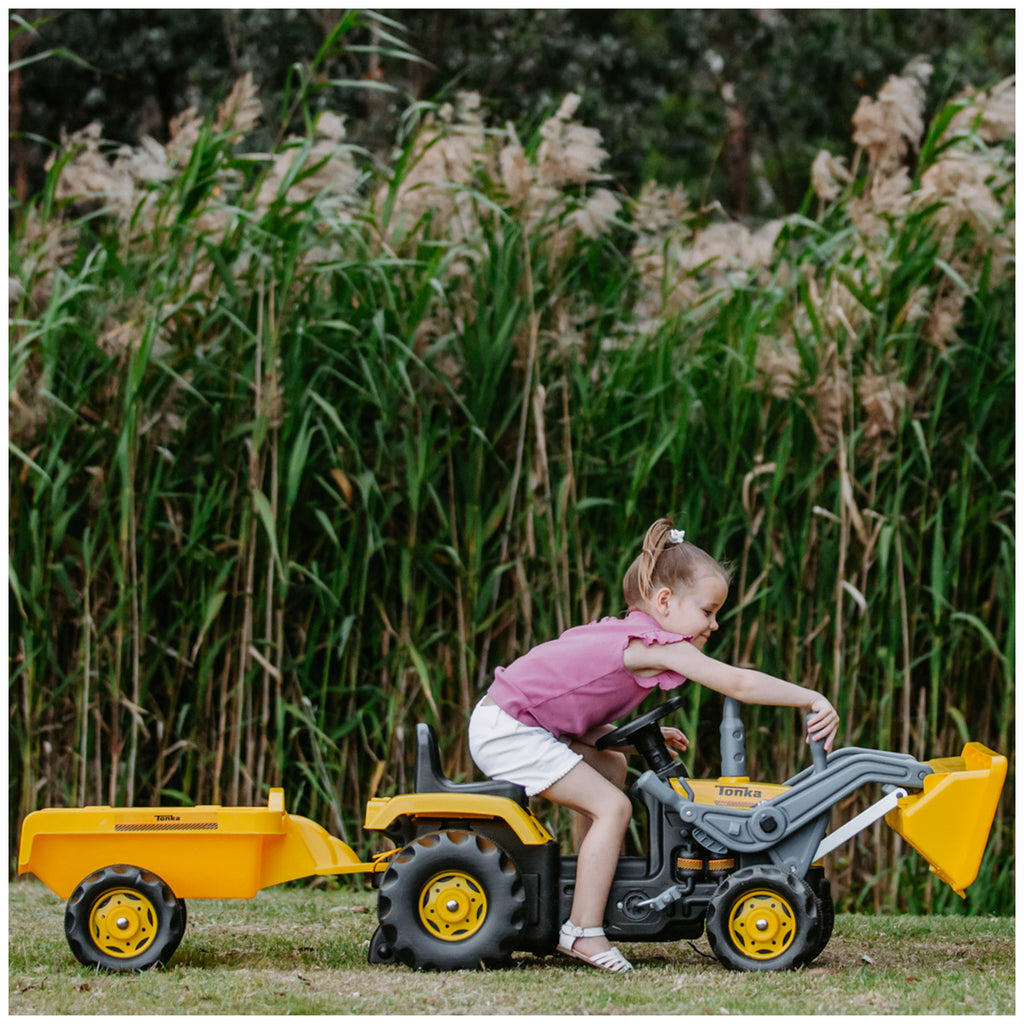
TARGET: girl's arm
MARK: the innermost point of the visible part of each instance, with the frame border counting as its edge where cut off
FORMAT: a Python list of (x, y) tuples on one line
[(747, 685)]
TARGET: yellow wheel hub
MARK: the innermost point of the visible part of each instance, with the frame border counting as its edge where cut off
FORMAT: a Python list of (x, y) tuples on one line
[(123, 923), (762, 924), (452, 906)]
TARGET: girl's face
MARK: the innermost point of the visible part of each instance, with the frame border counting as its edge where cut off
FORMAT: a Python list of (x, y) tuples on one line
[(692, 611)]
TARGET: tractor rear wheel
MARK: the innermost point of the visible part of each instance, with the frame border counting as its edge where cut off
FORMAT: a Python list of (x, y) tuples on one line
[(379, 952), (763, 919), (451, 901), (123, 918)]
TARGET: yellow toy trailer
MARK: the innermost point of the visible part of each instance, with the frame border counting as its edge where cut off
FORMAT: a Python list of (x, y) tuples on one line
[(475, 876), (127, 871)]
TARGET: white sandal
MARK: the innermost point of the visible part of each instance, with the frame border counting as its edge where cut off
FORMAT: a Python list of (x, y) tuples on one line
[(609, 960)]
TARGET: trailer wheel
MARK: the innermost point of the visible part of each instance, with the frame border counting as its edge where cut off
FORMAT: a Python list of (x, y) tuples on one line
[(182, 915), (763, 919), (122, 918), (451, 901)]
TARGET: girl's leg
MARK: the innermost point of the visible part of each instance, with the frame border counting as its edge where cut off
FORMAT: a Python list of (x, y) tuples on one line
[(609, 763), (608, 809)]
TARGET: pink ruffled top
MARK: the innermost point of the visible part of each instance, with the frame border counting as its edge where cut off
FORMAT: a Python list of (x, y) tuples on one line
[(571, 684)]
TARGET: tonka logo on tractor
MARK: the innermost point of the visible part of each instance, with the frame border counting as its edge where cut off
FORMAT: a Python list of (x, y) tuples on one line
[(167, 817), (742, 791)]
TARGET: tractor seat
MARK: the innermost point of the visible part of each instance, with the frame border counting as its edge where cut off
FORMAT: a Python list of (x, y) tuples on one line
[(430, 777)]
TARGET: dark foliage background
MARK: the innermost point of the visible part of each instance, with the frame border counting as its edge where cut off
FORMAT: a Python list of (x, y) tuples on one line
[(735, 103)]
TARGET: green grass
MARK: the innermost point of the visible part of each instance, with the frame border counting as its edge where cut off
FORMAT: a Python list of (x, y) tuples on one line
[(294, 950)]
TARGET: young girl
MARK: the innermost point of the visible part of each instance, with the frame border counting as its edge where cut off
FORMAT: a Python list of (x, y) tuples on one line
[(538, 723)]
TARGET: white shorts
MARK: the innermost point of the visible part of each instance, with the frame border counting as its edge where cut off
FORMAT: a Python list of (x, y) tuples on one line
[(527, 755)]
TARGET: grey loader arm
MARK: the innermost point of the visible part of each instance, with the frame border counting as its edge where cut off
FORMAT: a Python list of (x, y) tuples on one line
[(789, 828)]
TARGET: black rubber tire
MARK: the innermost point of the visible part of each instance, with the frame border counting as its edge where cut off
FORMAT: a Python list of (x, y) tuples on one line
[(826, 911), (182, 914), (147, 899), (470, 874), (785, 903), (379, 952)]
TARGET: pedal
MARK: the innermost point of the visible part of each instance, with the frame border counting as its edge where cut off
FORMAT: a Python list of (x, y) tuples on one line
[(663, 899)]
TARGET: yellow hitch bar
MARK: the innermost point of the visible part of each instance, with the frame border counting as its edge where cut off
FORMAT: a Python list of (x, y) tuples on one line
[(948, 821)]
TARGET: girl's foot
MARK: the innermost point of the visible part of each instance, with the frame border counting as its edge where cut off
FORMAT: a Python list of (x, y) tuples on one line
[(596, 949)]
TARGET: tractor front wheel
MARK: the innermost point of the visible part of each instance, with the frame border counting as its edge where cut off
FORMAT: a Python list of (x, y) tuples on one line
[(122, 918), (763, 919), (450, 901), (826, 911)]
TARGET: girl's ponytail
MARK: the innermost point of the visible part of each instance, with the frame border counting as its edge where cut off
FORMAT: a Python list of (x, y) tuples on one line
[(665, 559), (654, 544)]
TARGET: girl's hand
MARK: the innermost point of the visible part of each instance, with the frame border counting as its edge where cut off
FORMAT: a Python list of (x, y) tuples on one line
[(823, 723), (674, 739)]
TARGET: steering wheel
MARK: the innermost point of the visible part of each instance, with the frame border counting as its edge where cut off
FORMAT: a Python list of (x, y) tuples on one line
[(623, 736), (643, 733)]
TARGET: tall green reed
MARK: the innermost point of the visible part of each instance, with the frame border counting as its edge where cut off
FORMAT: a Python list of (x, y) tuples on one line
[(302, 453)]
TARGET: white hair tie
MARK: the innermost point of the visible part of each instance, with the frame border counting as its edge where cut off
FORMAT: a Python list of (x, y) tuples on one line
[(676, 536)]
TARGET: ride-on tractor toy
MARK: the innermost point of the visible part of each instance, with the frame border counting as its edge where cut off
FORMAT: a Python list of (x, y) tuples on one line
[(475, 876)]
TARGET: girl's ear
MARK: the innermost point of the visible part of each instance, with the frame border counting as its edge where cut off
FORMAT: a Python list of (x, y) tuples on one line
[(660, 599)]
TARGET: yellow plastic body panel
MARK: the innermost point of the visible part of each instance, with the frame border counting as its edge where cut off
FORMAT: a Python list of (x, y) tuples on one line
[(381, 813), (212, 851), (729, 792), (948, 821)]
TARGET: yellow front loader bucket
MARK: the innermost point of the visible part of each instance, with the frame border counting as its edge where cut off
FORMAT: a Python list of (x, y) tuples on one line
[(949, 820)]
